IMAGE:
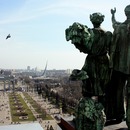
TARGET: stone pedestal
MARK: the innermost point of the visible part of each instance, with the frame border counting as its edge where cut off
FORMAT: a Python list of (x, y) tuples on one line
[(69, 125)]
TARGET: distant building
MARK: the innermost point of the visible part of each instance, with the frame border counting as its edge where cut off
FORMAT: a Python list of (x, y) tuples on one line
[(6, 72), (68, 71), (28, 68)]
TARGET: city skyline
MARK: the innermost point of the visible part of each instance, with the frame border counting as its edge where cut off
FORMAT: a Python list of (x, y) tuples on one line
[(37, 30)]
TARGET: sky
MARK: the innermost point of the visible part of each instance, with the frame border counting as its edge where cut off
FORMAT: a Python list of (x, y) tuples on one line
[(37, 29)]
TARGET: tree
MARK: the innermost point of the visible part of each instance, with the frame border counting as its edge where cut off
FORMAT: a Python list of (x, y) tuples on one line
[(51, 128), (57, 100), (64, 105)]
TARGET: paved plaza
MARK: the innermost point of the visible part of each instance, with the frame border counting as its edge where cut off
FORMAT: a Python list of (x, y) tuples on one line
[(6, 115), (121, 126), (50, 109), (4, 109)]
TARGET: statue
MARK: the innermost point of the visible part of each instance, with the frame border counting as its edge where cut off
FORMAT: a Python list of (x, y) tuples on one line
[(120, 63), (95, 73)]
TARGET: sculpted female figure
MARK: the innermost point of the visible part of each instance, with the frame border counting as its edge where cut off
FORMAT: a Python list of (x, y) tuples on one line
[(95, 72)]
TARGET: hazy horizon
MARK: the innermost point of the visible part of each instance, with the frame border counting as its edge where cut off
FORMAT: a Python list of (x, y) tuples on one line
[(37, 30)]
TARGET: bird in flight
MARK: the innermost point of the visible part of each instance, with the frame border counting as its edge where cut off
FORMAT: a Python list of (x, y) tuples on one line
[(8, 36)]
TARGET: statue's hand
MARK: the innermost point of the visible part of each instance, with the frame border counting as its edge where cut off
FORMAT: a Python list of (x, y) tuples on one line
[(113, 11), (78, 75), (73, 76)]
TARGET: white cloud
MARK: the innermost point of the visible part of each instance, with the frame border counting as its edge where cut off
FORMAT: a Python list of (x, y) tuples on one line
[(33, 9)]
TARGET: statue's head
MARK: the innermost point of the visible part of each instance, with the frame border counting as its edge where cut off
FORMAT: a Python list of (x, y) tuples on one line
[(96, 18), (127, 10)]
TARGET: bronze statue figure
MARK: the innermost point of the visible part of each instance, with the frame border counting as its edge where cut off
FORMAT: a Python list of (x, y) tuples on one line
[(95, 74), (120, 63)]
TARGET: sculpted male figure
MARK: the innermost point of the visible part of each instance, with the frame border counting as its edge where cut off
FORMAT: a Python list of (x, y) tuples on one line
[(95, 72), (120, 63)]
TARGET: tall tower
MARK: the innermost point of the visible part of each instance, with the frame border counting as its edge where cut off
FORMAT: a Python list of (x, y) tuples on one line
[(44, 72), (28, 68)]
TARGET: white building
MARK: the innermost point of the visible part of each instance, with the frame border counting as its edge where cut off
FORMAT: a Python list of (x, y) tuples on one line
[(29, 126)]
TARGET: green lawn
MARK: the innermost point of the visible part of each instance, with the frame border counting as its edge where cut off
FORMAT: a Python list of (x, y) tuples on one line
[(14, 109), (37, 108)]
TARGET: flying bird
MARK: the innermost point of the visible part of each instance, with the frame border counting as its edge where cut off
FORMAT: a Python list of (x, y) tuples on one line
[(8, 36)]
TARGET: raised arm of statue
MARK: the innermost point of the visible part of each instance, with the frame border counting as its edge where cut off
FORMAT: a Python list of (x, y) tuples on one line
[(113, 11), (114, 22)]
